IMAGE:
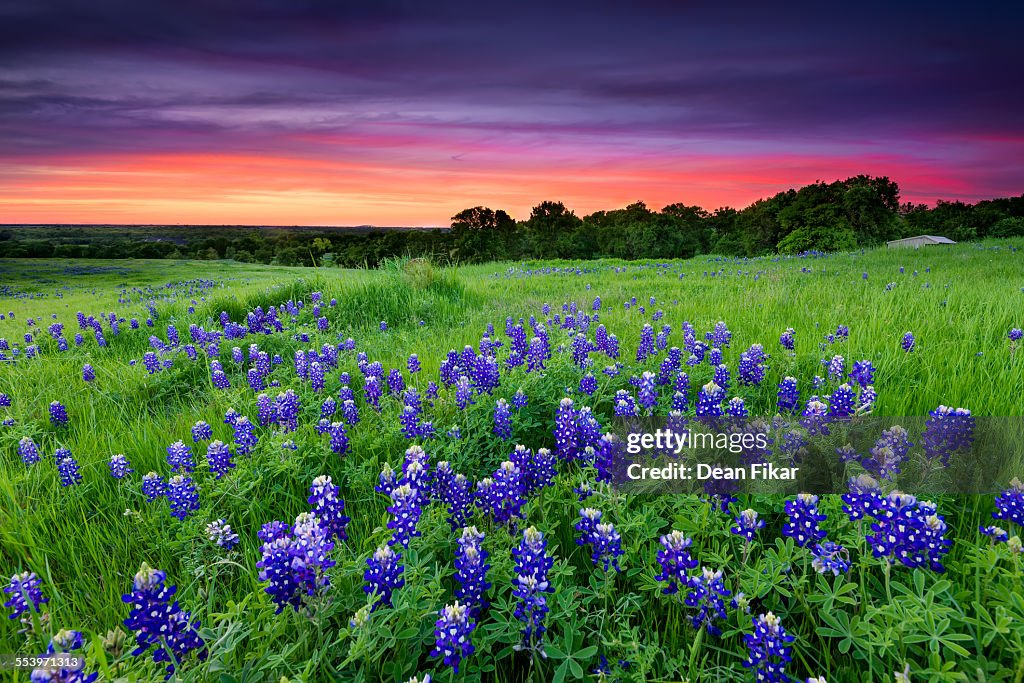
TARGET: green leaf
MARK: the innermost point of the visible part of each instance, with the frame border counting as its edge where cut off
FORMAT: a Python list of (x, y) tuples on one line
[(554, 652), (577, 670)]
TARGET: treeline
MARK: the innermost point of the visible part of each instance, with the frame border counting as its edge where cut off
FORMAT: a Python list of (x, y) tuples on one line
[(862, 211)]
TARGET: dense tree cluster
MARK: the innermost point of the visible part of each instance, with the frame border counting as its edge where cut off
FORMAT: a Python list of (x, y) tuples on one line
[(862, 211)]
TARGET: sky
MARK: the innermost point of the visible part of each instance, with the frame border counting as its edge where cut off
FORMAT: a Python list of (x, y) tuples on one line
[(285, 112)]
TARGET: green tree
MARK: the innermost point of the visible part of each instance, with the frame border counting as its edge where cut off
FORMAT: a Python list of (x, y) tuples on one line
[(480, 233), (547, 228)]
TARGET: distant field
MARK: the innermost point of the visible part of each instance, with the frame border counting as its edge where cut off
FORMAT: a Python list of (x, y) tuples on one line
[(86, 541)]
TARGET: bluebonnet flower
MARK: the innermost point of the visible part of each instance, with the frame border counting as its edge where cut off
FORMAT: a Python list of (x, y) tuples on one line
[(588, 384), (520, 400), (1010, 503), (328, 507), (997, 534), (502, 495), (153, 486), (646, 345), (88, 373), (709, 400), (25, 594), (947, 431), (836, 368), (789, 395), (463, 393), (350, 412), (179, 457), (338, 438), (201, 431), (681, 388), (675, 561), (387, 481), (220, 380), (396, 383), (471, 571), (566, 444), (295, 560), (28, 450), (416, 471), (736, 407), (502, 420), (707, 594), (863, 373), (747, 524), (815, 417), (255, 380), (383, 326), (532, 564), (647, 394), (830, 557), (58, 414), (219, 532), (843, 402), (888, 453), (908, 342), (455, 492), (605, 541), (752, 368), (868, 396), (538, 469), (383, 575), (908, 531), (119, 466), (786, 339), (64, 642), (152, 364), (720, 336), (218, 456), (452, 635), (804, 517), (581, 349), (5, 400), (536, 355), (159, 622), (611, 347), (625, 404), (67, 468), (328, 408), (769, 649), (413, 363), (287, 405), (721, 377), (245, 435), (606, 454), (182, 496), (406, 511), (861, 497)]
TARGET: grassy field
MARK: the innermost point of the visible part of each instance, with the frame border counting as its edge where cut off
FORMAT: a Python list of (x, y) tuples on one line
[(86, 541)]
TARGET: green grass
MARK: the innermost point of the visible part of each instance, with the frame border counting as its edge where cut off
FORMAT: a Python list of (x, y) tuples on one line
[(87, 541)]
